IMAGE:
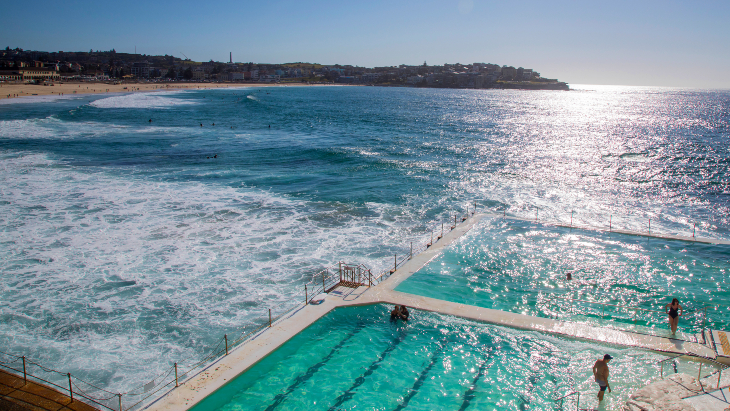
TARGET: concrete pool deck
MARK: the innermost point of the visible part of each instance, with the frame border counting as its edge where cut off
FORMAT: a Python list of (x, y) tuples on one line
[(213, 377)]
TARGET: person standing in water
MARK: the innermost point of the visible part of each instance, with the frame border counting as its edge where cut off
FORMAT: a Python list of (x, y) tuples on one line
[(674, 311), (600, 373)]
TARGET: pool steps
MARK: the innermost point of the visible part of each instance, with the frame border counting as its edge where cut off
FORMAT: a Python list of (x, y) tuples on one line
[(263, 343)]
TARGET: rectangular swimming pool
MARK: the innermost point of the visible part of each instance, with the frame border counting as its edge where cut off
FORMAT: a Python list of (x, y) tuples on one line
[(521, 266), (356, 358)]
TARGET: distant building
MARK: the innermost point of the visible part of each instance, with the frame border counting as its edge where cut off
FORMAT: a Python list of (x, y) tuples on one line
[(200, 74), (508, 73), (347, 79), (413, 80), (30, 74), (10, 75), (269, 78), (141, 69), (369, 77)]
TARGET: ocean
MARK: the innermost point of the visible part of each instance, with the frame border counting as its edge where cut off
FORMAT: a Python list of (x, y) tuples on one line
[(137, 229)]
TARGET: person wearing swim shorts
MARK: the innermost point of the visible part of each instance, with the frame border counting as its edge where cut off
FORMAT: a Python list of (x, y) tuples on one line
[(674, 311), (600, 373)]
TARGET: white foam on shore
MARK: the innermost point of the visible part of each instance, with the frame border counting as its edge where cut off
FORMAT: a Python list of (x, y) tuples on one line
[(54, 128), (40, 99), (113, 278), (143, 100)]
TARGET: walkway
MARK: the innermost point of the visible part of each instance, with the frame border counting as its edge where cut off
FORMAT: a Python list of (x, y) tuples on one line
[(16, 395), (711, 401), (265, 342), (617, 230)]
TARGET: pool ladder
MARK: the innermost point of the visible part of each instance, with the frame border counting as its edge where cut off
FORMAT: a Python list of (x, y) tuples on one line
[(577, 403)]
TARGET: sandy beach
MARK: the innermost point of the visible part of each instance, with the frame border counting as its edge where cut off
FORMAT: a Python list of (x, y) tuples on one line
[(10, 90)]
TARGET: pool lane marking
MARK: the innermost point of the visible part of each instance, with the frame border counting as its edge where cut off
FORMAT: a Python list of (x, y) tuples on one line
[(424, 373), (347, 395), (469, 394), (301, 379)]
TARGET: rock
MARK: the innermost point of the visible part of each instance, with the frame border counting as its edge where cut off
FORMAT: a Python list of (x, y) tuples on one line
[(665, 395)]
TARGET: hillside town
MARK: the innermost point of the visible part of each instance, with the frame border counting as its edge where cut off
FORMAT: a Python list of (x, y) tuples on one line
[(18, 65)]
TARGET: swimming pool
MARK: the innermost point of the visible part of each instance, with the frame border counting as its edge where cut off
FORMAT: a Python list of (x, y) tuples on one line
[(521, 266), (355, 358)]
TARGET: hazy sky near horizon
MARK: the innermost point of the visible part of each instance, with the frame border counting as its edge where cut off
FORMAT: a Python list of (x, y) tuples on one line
[(649, 42)]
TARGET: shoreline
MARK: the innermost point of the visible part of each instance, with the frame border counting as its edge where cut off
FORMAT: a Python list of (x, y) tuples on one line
[(10, 91)]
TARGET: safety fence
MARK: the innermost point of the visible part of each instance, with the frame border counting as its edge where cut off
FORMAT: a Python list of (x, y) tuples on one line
[(713, 370), (63, 382), (625, 224), (708, 371), (693, 325), (436, 233), (567, 397), (340, 273)]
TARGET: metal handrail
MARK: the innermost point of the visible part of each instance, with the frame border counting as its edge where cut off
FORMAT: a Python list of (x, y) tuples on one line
[(577, 403), (609, 228), (69, 389), (722, 366), (670, 358), (719, 371), (661, 363)]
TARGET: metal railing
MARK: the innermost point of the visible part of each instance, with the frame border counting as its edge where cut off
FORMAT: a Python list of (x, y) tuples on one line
[(577, 402), (329, 278), (322, 282), (437, 232), (719, 367), (573, 307), (636, 228), (64, 382)]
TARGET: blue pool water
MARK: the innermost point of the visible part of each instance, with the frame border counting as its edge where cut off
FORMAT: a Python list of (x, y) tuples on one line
[(129, 245), (355, 358), (520, 266)]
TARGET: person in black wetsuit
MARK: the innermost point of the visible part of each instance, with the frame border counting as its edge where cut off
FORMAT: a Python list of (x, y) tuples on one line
[(674, 311)]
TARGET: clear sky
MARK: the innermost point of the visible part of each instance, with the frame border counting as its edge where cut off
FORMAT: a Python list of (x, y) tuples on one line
[(639, 42)]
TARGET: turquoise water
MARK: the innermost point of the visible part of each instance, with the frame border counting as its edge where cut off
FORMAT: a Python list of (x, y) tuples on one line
[(519, 266), (355, 358), (129, 245)]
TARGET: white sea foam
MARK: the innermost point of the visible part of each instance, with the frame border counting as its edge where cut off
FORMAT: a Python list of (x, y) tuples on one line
[(53, 128), (142, 100), (33, 128), (38, 99), (128, 275)]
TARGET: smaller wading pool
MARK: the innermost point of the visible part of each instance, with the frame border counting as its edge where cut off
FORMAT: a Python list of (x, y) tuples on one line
[(356, 358), (521, 266)]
